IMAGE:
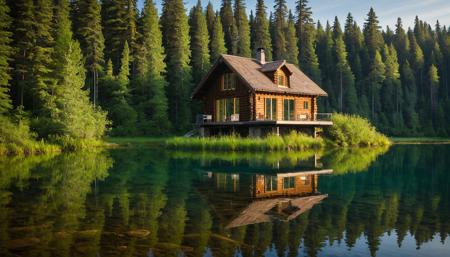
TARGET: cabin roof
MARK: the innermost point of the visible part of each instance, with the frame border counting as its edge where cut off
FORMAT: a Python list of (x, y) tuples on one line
[(260, 211), (251, 72)]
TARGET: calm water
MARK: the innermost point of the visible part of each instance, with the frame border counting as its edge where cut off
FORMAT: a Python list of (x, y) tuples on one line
[(147, 202)]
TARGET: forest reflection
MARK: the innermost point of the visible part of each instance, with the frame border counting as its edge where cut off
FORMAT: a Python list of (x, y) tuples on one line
[(142, 202)]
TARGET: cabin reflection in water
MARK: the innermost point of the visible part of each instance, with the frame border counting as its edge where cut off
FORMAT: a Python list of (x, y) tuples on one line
[(241, 199)]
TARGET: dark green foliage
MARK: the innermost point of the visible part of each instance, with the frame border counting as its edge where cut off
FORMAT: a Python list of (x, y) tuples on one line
[(5, 54), (88, 31), (291, 41), (372, 34), (175, 29), (217, 40), (243, 29), (115, 29), (398, 79), (278, 30), (200, 60), (42, 52), (210, 17), (307, 39), (261, 38), (229, 26), (149, 95)]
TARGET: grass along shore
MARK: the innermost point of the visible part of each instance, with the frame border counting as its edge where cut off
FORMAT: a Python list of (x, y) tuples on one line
[(347, 131)]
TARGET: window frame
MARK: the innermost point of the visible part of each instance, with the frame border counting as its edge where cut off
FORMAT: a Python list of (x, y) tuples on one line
[(273, 109), (306, 105), (290, 114), (229, 81), (222, 108), (289, 183), (272, 181)]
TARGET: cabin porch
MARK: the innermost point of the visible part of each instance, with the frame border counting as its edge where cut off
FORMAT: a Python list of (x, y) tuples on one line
[(262, 127)]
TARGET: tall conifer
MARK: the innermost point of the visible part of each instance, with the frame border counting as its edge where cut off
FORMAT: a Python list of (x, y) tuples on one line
[(199, 44), (306, 35), (291, 41), (217, 40), (175, 30), (261, 30), (5, 54), (243, 29), (229, 26), (279, 27)]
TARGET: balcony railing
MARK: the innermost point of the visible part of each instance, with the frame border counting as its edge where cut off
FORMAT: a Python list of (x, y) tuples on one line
[(323, 116), (207, 118)]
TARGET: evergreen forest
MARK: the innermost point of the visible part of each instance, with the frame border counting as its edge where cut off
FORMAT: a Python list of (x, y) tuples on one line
[(78, 69)]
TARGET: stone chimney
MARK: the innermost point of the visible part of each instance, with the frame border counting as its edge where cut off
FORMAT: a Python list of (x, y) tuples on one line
[(261, 56)]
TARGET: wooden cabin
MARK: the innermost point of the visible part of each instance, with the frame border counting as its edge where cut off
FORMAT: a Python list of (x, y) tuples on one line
[(241, 199), (253, 97)]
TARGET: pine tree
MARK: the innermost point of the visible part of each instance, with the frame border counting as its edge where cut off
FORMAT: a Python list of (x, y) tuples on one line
[(391, 93), (401, 42), (372, 35), (199, 44), (115, 29), (71, 113), (324, 49), (24, 39), (229, 26), (124, 72), (410, 97), (89, 33), (291, 41), (375, 80), (279, 26), (261, 30), (151, 96), (5, 55), (76, 116), (176, 42), (43, 79), (433, 80), (353, 43), (243, 29), (217, 40), (305, 33), (210, 17), (344, 77)]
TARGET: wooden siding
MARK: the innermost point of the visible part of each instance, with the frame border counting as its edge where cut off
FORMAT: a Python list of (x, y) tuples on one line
[(307, 186), (215, 92), (298, 105)]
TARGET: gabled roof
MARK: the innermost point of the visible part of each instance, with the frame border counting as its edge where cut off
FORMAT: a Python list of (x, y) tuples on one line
[(260, 211), (251, 72), (273, 66)]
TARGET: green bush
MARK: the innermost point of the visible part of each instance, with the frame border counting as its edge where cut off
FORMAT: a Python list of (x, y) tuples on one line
[(17, 139), (352, 130)]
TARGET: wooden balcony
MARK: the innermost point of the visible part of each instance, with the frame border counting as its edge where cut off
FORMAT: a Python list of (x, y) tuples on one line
[(319, 119)]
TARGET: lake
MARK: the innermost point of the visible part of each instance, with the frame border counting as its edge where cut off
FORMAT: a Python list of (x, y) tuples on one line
[(149, 202)]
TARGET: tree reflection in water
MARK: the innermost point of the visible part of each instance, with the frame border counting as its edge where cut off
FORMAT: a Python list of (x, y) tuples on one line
[(143, 202)]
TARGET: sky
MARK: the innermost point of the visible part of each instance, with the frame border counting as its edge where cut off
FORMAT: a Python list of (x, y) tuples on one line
[(387, 10)]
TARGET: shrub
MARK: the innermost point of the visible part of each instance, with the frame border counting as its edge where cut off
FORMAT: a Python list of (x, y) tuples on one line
[(17, 139), (352, 130)]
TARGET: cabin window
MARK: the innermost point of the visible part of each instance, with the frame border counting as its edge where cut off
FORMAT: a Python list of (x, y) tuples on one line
[(229, 81), (271, 183), (226, 109), (281, 80), (271, 109), (306, 105), (227, 182), (288, 182), (288, 110)]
